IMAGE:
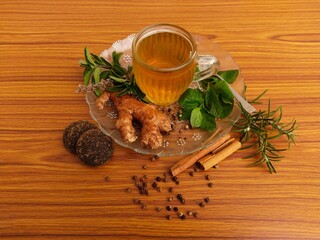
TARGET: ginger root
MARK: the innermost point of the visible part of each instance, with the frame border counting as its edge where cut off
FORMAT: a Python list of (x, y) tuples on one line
[(152, 120)]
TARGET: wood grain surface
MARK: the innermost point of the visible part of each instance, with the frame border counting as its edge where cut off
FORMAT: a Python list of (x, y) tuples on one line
[(45, 193)]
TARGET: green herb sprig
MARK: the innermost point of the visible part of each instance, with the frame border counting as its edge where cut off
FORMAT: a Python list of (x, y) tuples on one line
[(215, 101), (98, 69), (262, 127)]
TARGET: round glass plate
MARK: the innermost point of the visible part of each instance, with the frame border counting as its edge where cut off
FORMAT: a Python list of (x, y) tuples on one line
[(178, 142)]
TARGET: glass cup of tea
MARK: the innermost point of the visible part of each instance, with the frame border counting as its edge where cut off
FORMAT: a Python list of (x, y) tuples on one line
[(165, 61)]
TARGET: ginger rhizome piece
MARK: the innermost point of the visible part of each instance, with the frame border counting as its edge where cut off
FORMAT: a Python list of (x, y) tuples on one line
[(152, 120)]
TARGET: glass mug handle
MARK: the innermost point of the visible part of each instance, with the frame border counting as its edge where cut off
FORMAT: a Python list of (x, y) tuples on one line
[(208, 65)]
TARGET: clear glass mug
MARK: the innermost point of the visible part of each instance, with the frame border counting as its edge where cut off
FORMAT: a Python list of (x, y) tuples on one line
[(165, 59)]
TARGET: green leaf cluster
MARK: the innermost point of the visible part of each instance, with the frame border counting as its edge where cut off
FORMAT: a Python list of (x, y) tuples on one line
[(97, 68), (216, 101)]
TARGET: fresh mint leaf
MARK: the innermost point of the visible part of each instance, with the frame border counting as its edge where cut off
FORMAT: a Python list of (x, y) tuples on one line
[(208, 122), (186, 114), (190, 99), (224, 92), (212, 102), (229, 75), (219, 99), (196, 117)]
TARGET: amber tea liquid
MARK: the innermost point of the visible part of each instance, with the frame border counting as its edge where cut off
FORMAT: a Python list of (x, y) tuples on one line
[(166, 67)]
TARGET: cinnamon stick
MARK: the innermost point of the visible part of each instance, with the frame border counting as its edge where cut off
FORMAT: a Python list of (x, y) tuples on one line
[(187, 162), (209, 161)]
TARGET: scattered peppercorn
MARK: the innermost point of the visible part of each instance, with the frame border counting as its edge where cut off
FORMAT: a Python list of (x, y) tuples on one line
[(175, 209), (136, 201), (202, 204), (144, 166), (207, 200), (196, 214), (107, 179), (134, 177), (168, 217), (154, 185), (210, 185), (189, 213), (143, 206), (177, 182), (159, 189), (170, 199), (128, 190), (196, 169), (169, 208), (158, 179), (191, 174), (183, 217), (170, 189), (154, 157), (208, 177), (174, 178), (158, 209)]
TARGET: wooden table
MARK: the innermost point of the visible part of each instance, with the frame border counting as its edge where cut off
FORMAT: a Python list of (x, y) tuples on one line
[(45, 193)]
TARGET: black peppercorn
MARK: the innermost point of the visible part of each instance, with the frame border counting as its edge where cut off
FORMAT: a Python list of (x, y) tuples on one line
[(207, 200), (143, 206), (136, 201), (169, 208), (158, 179), (210, 185)]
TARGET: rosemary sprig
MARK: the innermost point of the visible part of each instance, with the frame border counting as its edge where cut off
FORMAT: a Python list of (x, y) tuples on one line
[(100, 74), (263, 127)]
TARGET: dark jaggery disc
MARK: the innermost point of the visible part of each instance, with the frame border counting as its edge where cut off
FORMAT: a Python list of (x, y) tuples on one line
[(73, 132), (94, 148)]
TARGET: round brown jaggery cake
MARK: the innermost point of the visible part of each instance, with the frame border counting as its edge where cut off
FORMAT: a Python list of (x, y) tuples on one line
[(94, 148), (72, 133)]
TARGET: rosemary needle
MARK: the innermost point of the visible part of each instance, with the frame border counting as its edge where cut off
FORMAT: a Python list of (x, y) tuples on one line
[(261, 128)]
